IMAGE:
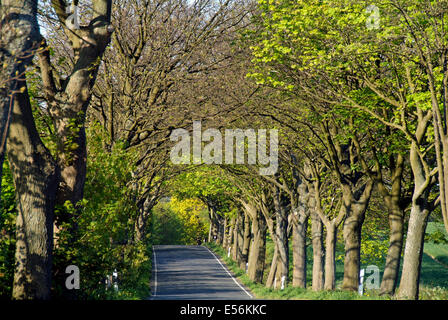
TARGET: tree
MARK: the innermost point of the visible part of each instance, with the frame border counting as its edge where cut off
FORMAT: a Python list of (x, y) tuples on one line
[(68, 97), (329, 54), (33, 171), (18, 49)]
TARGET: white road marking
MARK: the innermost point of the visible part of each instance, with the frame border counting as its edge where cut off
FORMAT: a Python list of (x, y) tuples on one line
[(225, 269), (155, 271)]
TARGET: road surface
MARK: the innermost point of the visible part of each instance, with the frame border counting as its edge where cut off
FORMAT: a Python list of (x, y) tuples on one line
[(190, 273)]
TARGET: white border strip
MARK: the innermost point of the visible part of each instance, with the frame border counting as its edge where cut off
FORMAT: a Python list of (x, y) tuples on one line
[(225, 269)]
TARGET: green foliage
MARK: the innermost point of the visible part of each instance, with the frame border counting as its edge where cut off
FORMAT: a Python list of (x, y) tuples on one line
[(105, 227), (374, 239), (433, 293), (167, 227), (208, 184), (8, 215), (179, 222), (436, 234)]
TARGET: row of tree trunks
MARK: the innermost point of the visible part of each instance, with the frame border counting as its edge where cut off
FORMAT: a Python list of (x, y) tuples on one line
[(240, 244), (216, 231), (280, 218), (275, 217), (260, 222)]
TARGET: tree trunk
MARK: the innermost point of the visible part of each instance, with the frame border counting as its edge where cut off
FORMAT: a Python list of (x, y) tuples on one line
[(282, 243), (279, 275), (231, 234), (318, 252), (246, 243), (394, 202), (410, 277), (330, 256), (281, 235), (69, 102), (210, 232), (35, 178), (392, 267), (240, 242), (273, 268), (34, 171), (238, 239), (354, 219), (300, 225), (257, 250), (225, 240), (219, 230), (19, 39), (236, 226), (141, 225), (214, 225), (352, 239)]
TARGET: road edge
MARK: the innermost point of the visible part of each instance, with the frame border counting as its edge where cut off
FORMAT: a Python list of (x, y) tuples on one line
[(230, 273)]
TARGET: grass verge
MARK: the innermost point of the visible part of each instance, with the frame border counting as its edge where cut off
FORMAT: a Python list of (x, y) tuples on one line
[(289, 293)]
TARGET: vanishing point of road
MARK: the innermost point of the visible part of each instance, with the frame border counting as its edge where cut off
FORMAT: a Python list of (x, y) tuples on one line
[(191, 273)]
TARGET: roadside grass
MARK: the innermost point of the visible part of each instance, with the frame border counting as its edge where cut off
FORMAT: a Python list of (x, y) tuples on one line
[(289, 293), (433, 279), (437, 251), (434, 274)]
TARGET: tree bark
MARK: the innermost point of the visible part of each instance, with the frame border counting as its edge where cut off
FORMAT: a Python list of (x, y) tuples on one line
[(257, 250), (355, 206), (330, 256), (35, 178), (392, 267), (300, 225), (273, 269), (240, 237), (231, 234), (318, 252), (225, 242), (410, 277), (19, 39), (246, 243), (34, 171), (69, 101), (281, 237), (395, 205), (238, 240), (214, 225), (144, 216), (236, 226)]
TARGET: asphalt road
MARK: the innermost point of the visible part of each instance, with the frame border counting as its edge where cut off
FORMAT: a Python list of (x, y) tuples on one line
[(191, 273)]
